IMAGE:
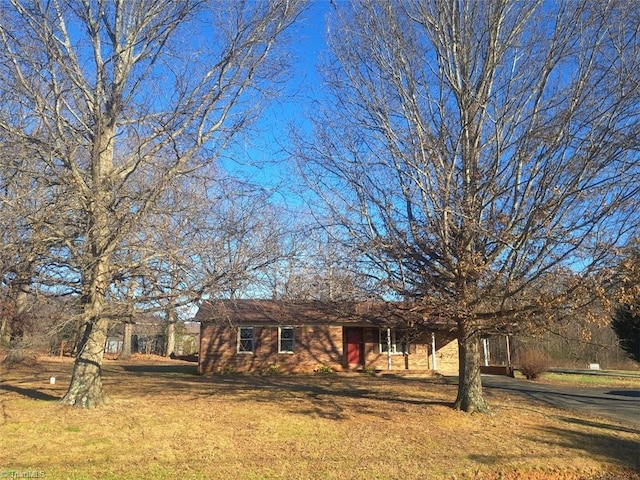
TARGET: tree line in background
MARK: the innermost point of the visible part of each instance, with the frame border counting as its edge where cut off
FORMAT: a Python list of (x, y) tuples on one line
[(477, 159)]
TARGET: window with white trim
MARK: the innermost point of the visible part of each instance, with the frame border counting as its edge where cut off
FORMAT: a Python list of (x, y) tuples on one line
[(245, 339), (286, 339), (399, 344)]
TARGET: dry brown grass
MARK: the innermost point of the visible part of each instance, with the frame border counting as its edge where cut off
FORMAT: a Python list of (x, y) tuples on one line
[(590, 381), (166, 422)]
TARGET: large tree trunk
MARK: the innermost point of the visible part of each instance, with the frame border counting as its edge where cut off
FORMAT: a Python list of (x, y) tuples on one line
[(86, 382), (125, 354), (19, 325), (22, 297), (171, 339), (172, 318), (470, 398), (86, 389)]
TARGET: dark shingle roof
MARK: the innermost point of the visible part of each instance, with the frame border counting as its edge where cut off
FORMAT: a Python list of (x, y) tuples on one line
[(272, 312)]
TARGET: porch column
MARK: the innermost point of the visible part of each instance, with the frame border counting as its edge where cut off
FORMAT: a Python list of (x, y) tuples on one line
[(388, 349), (434, 367), (485, 346)]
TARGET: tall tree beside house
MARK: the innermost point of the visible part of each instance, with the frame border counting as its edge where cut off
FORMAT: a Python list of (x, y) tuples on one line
[(475, 151), (121, 100)]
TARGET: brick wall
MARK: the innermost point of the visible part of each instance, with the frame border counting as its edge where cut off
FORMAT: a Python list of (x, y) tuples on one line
[(447, 356), (315, 346)]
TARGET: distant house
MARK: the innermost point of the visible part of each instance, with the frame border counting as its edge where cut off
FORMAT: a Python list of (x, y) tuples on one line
[(148, 336), (188, 339), (256, 335)]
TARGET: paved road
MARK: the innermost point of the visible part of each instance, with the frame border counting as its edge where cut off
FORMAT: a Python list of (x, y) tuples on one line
[(621, 405)]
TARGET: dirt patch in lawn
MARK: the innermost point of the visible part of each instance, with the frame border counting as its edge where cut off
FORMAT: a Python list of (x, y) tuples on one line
[(164, 421)]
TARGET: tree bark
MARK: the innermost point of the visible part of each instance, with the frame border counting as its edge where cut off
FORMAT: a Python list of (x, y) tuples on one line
[(86, 388), (171, 338), (172, 318), (86, 383), (4, 332), (19, 323), (22, 297), (470, 398), (125, 354)]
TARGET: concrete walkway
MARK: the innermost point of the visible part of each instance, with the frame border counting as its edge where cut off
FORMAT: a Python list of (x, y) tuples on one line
[(621, 405)]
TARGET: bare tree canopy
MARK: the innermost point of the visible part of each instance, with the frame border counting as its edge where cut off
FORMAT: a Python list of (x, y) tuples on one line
[(118, 101), (475, 151)]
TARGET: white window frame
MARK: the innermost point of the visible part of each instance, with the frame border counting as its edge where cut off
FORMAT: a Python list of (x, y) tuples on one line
[(253, 346), (396, 342), (293, 339)]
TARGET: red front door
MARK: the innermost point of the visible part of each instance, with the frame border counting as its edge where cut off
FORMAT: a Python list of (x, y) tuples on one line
[(354, 346)]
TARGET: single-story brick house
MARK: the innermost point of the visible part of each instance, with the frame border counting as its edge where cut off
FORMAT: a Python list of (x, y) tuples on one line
[(256, 335)]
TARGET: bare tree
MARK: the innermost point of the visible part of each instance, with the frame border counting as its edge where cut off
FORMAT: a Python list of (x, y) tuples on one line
[(245, 234), (474, 151), (32, 232), (319, 268), (120, 99), (207, 236)]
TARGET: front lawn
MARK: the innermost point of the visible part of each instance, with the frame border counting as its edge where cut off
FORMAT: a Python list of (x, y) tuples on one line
[(165, 421)]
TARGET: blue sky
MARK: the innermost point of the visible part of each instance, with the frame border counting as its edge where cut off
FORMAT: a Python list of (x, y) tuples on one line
[(259, 157)]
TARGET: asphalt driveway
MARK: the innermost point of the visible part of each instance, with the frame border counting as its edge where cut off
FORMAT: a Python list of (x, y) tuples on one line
[(621, 405)]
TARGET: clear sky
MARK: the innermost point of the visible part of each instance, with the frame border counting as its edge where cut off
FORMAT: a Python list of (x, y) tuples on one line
[(259, 158)]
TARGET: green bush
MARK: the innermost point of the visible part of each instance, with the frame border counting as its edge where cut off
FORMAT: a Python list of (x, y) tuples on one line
[(324, 369)]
